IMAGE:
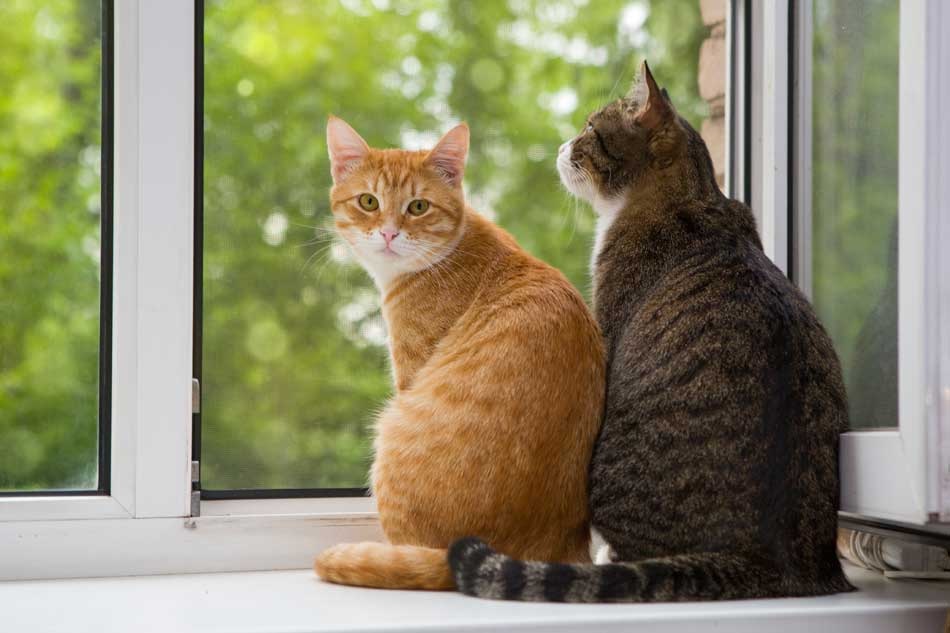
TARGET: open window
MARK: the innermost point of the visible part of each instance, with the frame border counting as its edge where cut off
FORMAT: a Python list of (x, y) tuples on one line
[(56, 122), (848, 153), (291, 348), (210, 359)]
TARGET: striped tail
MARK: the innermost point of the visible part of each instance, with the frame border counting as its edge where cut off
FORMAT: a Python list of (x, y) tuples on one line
[(385, 566), (483, 573)]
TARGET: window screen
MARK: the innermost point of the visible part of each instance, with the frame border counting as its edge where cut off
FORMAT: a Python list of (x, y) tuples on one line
[(854, 196), (55, 240), (294, 361)]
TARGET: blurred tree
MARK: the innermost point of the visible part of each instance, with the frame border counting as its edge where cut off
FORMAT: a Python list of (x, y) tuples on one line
[(854, 196), (294, 347), (49, 243)]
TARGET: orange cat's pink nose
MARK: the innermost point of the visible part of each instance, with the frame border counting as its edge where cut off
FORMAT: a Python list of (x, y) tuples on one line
[(388, 235)]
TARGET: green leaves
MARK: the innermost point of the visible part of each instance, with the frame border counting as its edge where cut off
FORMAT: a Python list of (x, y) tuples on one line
[(49, 237), (295, 363), (523, 75)]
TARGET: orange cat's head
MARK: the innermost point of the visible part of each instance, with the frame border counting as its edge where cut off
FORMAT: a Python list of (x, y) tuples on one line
[(401, 211)]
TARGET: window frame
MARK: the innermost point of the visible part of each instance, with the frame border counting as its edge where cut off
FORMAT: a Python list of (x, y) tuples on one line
[(150, 336), (144, 526), (900, 475), (104, 370), (20, 504), (218, 497)]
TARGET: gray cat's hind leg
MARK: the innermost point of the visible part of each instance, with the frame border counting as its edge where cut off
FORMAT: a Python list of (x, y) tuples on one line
[(600, 551)]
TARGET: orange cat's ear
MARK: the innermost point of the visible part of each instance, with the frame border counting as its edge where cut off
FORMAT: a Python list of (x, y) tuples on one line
[(449, 154), (653, 107), (347, 148)]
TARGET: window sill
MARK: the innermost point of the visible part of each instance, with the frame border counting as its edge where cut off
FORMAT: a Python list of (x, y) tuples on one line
[(262, 602)]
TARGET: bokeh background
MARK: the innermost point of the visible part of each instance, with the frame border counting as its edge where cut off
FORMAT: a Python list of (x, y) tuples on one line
[(294, 356), (50, 62), (295, 362)]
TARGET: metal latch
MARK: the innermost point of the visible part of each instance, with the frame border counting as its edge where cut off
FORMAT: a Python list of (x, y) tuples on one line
[(195, 492), (195, 396)]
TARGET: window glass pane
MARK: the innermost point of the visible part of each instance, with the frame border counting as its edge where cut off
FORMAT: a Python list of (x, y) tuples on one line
[(854, 196), (50, 210), (294, 347)]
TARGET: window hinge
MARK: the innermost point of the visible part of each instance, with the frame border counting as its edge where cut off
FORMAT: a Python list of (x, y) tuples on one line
[(195, 491), (195, 509), (195, 503), (195, 396)]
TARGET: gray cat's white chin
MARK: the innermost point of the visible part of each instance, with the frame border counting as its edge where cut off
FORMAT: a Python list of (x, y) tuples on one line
[(574, 180), (582, 185)]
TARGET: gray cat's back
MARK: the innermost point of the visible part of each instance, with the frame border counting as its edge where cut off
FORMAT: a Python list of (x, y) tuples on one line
[(723, 404)]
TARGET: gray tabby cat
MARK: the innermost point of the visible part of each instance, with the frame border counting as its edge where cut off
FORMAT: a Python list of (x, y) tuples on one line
[(715, 473)]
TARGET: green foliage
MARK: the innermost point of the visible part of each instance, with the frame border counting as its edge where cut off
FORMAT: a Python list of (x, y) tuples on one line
[(854, 196), (49, 243), (294, 357)]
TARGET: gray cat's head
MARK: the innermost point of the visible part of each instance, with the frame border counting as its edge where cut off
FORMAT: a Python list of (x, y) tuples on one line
[(626, 142)]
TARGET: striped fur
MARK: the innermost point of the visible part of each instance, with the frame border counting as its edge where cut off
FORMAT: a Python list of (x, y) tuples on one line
[(715, 473), (383, 566), (482, 572)]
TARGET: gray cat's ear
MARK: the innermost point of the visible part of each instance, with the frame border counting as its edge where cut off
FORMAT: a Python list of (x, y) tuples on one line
[(449, 155), (653, 106), (639, 92), (347, 148)]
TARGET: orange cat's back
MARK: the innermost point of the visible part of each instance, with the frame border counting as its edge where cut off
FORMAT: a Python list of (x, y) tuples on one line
[(501, 417)]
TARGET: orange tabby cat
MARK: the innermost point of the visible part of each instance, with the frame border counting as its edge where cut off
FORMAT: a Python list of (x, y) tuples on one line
[(498, 365)]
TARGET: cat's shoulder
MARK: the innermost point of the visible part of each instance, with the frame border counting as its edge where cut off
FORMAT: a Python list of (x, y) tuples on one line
[(512, 278)]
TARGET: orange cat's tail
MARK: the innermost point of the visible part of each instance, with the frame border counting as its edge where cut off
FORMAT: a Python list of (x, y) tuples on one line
[(385, 566)]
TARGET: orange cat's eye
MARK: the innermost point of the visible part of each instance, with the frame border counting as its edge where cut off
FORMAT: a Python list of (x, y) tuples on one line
[(418, 207), (369, 202)]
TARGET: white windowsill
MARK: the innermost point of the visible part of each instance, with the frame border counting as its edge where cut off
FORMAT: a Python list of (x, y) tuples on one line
[(259, 602)]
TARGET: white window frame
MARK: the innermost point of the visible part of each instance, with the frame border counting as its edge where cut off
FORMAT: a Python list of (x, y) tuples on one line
[(900, 475), (144, 526)]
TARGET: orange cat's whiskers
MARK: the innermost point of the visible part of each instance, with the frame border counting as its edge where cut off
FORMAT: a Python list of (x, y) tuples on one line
[(320, 239), (457, 250), (322, 256), (314, 227), (453, 276), (444, 274), (437, 251)]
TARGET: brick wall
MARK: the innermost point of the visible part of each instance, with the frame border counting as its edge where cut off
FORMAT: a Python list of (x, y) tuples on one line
[(712, 82)]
